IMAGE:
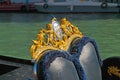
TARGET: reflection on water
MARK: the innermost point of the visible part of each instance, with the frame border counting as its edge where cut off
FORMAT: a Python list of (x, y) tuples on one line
[(37, 17)]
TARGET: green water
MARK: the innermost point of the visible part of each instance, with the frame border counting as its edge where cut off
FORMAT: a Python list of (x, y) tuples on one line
[(18, 29)]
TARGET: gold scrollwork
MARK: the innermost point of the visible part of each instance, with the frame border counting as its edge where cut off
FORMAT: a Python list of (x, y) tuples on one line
[(113, 70), (47, 38)]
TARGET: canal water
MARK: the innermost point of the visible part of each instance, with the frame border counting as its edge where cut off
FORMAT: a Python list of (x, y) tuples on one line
[(16, 41), (38, 17)]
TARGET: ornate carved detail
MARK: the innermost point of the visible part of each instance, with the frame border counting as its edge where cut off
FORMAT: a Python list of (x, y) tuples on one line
[(55, 37), (114, 70)]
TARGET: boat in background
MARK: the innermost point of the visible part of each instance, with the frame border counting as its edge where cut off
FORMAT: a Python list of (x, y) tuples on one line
[(76, 6), (17, 5)]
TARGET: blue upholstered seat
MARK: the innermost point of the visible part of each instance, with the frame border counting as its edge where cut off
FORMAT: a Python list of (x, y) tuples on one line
[(86, 51), (59, 65)]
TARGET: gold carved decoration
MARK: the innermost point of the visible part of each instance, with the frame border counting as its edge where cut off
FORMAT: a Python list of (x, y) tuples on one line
[(114, 70), (56, 36)]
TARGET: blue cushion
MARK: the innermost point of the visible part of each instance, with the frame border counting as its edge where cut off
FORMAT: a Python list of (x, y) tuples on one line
[(42, 67)]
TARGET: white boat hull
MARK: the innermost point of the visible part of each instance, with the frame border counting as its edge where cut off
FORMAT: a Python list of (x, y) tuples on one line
[(77, 7)]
